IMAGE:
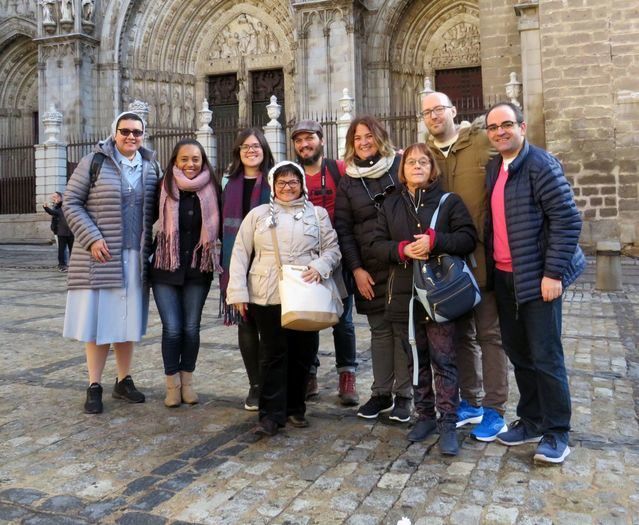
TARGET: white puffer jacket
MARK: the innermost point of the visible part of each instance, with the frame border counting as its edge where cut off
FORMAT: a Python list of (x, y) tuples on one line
[(298, 241)]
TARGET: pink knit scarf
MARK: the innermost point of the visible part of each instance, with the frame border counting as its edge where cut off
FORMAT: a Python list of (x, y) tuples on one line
[(167, 254)]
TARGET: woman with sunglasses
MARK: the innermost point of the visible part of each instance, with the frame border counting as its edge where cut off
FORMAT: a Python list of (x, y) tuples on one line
[(401, 236), (185, 258), (245, 187), (299, 229), (110, 205), (371, 175)]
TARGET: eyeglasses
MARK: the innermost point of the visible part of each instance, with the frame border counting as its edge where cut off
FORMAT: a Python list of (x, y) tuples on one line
[(135, 132), (506, 125), (281, 184), (437, 111), (248, 147), (424, 163), (378, 198)]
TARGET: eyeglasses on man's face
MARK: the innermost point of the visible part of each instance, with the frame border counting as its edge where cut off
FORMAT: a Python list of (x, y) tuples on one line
[(251, 147), (506, 125), (423, 162), (125, 132), (437, 111), (293, 184)]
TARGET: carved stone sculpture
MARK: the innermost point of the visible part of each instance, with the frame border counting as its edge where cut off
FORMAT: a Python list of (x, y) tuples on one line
[(67, 11)]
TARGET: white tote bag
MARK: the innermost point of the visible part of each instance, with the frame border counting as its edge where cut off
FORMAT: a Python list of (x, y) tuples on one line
[(307, 307)]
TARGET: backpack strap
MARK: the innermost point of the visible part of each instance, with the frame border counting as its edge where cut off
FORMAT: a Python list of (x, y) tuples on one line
[(96, 166), (411, 336), (331, 166)]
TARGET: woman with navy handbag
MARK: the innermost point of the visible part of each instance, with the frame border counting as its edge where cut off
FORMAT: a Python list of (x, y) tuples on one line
[(402, 235)]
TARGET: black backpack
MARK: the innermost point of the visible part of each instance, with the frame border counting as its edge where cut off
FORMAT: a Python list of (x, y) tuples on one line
[(96, 166)]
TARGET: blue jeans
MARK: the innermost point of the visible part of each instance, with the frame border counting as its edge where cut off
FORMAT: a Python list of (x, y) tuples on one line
[(344, 341), (180, 309), (531, 337)]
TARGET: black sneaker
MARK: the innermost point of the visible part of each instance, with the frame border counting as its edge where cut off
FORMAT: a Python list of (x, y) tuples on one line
[(252, 401), (126, 390), (375, 406), (448, 444), (93, 404), (422, 429), (266, 427), (401, 410)]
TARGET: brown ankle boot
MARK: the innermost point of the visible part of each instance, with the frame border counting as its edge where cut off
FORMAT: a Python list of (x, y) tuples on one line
[(173, 395), (188, 394)]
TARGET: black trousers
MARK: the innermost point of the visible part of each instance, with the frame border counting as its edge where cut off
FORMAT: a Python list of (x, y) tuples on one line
[(285, 360), (65, 242)]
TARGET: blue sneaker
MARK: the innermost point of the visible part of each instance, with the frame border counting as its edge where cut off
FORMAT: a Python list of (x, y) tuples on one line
[(491, 425), (553, 448), (467, 413), (517, 434)]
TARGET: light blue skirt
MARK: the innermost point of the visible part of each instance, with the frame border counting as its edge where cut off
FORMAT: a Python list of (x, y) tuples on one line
[(110, 315)]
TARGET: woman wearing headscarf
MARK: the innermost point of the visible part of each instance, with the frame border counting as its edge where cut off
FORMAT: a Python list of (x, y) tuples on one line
[(371, 176), (245, 187), (110, 205), (401, 236), (301, 229), (185, 258)]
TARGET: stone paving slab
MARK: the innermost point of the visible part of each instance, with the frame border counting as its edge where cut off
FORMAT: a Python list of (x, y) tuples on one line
[(146, 464)]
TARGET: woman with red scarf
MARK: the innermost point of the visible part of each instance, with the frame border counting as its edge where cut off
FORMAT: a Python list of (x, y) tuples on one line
[(186, 256)]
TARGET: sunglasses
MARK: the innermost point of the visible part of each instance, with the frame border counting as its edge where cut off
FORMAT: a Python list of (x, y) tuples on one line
[(125, 132), (378, 198)]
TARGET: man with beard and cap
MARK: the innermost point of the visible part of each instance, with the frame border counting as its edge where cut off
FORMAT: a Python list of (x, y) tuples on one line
[(322, 178)]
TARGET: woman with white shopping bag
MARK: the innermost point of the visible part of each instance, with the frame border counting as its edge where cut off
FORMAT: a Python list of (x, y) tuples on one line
[(288, 234)]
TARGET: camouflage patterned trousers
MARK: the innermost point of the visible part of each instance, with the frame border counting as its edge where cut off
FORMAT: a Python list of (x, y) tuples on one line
[(437, 359)]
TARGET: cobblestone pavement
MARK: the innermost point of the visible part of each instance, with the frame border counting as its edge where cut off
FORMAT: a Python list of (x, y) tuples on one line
[(146, 464)]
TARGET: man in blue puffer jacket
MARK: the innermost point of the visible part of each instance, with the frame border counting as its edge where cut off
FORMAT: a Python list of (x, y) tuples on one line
[(532, 235)]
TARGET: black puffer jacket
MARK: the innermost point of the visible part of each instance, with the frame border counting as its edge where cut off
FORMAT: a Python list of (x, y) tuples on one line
[(355, 222), (397, 221)]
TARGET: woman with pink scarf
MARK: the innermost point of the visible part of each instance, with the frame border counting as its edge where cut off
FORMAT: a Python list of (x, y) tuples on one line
[(185, 259)]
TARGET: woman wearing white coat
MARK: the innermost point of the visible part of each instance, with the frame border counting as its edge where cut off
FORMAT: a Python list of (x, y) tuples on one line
[(286, 355)]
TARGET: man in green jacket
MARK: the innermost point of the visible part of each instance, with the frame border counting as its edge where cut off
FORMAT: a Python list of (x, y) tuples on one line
[(461, 153)]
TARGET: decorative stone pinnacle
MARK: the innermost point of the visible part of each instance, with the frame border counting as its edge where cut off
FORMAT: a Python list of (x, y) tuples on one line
[(206, 116), (274, 110), (513, 89), (52, 121), (346, 105), (140, 108), (427, 87)]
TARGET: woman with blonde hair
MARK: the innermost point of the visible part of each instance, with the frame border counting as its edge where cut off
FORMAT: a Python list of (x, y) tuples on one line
[(401, 236), (371, 176)]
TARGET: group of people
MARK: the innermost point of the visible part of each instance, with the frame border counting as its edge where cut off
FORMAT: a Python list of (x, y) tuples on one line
[(363, 221)]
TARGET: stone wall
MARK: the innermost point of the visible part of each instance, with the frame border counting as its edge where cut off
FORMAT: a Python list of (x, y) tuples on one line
[(590, 63)]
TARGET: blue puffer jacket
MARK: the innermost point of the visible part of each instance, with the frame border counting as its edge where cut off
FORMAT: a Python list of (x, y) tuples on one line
[(542, 221)]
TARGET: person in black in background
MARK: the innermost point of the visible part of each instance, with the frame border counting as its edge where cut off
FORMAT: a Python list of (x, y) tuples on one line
[(60, 228)]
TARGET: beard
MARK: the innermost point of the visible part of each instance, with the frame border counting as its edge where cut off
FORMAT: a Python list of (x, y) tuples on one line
[(309, 161)]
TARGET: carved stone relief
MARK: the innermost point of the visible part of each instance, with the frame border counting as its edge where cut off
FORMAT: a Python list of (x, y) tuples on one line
[(21, 8), (460, 46), (245, 35)]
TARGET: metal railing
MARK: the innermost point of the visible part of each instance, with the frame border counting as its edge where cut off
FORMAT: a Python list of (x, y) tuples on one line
[(17, 179)]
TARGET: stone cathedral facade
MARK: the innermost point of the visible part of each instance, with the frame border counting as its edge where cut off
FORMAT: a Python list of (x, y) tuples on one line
[(578, 63)]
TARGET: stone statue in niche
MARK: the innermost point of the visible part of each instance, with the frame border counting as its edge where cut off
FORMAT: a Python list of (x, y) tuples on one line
[(164, 110), (176, 119), (189, 107), (67, 11), (126, 86), (47, 13), (87, 10)]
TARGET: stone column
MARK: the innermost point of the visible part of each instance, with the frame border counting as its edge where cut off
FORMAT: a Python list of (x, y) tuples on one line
[(533, 106), (50, 158), (274, 132), (205, 134), (346, 105)]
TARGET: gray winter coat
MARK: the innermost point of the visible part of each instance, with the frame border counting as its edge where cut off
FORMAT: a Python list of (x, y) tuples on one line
[(95, 213)]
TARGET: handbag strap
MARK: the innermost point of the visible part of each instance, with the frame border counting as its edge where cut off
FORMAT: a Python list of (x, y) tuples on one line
[(319, 230), (433, 220), (276, 248)]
